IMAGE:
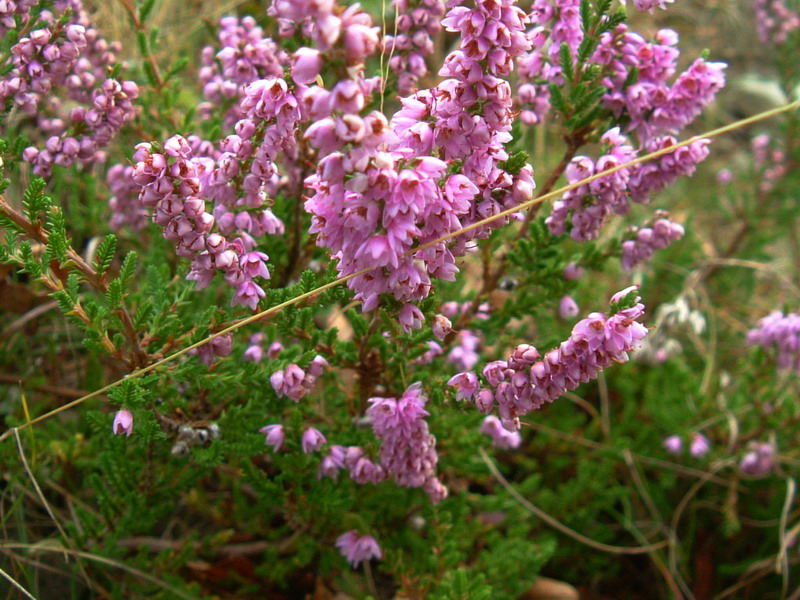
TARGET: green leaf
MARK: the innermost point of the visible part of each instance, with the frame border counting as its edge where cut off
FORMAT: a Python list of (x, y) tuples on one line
[(308, 281), (145, 9), (10, 226), (151, 74), (586, 14), (34, 200), (628, 301), (30, 264), (105, 253), (557, 98), (64, 301), (602, 7), (73, 285), (57, 243), (565, 60), (515, 163), (176, 68), (141, 39), (128, 270), (114, 294), (154, 37)]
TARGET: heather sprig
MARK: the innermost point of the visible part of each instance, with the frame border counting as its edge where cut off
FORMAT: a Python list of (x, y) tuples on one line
[(382, 250)]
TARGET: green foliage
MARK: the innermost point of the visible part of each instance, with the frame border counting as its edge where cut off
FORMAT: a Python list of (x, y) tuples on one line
[(105, 253)]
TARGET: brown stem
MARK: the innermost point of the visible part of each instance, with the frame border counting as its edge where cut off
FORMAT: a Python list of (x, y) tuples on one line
[(35, 231), (128, 5), (574, 142), (50, 389), (491, 278)]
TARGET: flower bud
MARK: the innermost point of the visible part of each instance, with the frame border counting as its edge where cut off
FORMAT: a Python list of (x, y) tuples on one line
[(306, 65), (274, 436), (312, 441), (568, 308), (123, 422)]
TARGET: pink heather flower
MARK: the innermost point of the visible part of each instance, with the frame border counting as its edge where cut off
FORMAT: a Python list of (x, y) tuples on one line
[(275, 436), (573, 271), (254, 353), (318, 364), (649, 239), (484, 400), (466, 385), (123, 422), (501, 437), (274, 350), (724, 176), (292, 382), (782, 333), (464, 355), (218, 347), (357, 548), (596, 342), (760, 461), (441, 326), (408, 450), (313, 440), (306, 65), (673, 444), (410, 317), (650, 5), (568, 308), (248, 294), (699, 446)]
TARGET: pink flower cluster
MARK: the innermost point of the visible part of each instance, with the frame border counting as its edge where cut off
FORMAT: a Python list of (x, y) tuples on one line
[(218, 347), (127, 212), (311, 441), (9, 9), (653, 109), (358, 548), (294, 383), (649, 239), (770, 162), (782, 332), (171, 185), (464, 354), (468, 116), (653, 106), (554, 23), (501, 437), (583, 210), (523, 383), (244, 56), (366, 208), (650, 5), (760, 460), (408, 449), (352, 458), (417, 21), (775, 21), (255, 351), (58, 75)]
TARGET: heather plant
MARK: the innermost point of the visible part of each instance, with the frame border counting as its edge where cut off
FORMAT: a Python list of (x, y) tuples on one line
[(411, 300)]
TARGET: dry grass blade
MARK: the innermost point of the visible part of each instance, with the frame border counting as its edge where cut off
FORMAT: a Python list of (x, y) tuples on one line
[(501, 215), (558, 525), (102, 560), (17, 585)]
